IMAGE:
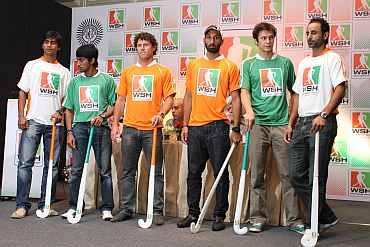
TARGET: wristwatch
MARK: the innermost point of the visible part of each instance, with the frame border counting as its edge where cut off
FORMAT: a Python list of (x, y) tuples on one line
[(161, 114), (102, 115), (236, 129), (323, 114)]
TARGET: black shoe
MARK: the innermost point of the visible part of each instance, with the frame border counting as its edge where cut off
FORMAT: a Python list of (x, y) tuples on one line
[(186, 222), (121, 216), (218, 224)]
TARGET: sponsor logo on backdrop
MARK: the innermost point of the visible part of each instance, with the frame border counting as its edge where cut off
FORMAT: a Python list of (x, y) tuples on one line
[(345, 100), (49, 84), (89, 98), (183, 65), (362, 9), (207, 81), (89, 31), (338, 154), (340, 36), (116, 19), (114, 67), (360, 183), (142, 87), (129, 43), (311, 77), (170, 41), (361, 65), (190, 14), (230, 13), (152, 17), (272, 10), (361, 123), (75, 68), (271, 81), (293, 37), (238, 48), (317, 9)]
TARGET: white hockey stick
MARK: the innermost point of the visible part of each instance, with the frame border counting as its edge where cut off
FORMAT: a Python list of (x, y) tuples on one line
[(149, 212), (43, 213), (77, 217), (310, 236), (194, 228), (239, 201)]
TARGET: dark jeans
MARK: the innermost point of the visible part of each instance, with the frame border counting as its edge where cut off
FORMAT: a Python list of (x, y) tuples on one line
[(30, 140), (102, 146), (301, 163), (133, 141), (210, 141)]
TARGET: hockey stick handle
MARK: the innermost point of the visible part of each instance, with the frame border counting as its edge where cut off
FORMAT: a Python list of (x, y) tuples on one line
[(154, 146)]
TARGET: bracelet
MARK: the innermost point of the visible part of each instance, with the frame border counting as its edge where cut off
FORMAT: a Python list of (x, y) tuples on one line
[(60, 112), (70, 131)]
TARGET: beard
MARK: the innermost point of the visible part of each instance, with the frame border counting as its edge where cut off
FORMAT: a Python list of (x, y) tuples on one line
[(214, 49), (315, 44)]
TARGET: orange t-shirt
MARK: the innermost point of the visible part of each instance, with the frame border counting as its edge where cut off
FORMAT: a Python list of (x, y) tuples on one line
[(144, 89), (210, 82)]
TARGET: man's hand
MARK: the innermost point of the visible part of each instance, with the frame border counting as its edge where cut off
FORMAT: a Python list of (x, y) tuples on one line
[(249, 119), (157, 120), (235, 137), (22, 122), (184, 134), (97, 121), (288, 134), (71, 140), (318, 124), (57, 116), (115, 133)]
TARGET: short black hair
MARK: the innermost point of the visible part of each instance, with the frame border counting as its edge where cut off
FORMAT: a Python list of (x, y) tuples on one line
[(325, 27), (53, 35), (148, 37), (263, 26), (88, 51)]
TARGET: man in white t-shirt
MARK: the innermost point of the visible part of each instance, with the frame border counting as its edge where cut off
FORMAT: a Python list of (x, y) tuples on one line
[(318, 90), (44, 83)]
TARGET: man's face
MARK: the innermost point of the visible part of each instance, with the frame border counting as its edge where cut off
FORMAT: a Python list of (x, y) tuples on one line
[(145, 49), (212, 41), (178, 110), (315, 37), (50, 47), (265, 41), (84, 64)]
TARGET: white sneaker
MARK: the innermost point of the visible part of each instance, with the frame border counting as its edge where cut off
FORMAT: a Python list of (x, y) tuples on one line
[(69, 212), (106, 215)]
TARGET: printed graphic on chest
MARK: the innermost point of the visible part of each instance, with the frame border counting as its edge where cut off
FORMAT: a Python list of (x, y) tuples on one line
[(271, 80), (311, 78), (49, 84), (89, 98), (142, 87), (207, 81)]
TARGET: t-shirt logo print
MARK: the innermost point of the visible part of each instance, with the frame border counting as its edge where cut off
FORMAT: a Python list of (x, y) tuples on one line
[(207, 82), (311, 77), (49, 84), (89, 98), (271, 80), (142, 87)]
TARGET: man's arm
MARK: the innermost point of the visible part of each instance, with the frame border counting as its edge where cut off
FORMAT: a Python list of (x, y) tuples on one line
[(117, 114), (293, 115), (69, 120), (246, 102), (236, 105), (187, 111), (165, 108), (22, 120)]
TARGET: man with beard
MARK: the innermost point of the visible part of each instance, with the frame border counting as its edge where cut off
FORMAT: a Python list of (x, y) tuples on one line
[(210, 79), (319, 88)]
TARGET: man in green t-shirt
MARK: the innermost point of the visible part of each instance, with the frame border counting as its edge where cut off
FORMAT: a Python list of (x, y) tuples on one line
[(265, 79), (89, 102)]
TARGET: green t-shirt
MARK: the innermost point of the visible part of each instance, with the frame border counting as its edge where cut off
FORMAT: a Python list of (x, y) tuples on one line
[(267, 81), (90, 96)]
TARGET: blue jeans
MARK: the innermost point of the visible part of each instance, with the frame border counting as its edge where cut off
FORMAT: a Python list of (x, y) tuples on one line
[(301, 163), (210, 141), (29, 143), (133, 141), (102, 146)]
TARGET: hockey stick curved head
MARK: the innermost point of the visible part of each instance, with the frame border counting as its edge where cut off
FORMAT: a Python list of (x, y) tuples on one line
[(43, 213), (309, 238), (238, 230), (74, 219), (146, 224), (194, 228)]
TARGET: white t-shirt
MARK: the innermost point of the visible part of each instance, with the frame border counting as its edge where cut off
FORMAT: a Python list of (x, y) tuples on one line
[(316, 79), (46, 84)]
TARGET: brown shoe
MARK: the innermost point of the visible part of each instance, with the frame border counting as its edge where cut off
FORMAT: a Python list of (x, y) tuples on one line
[(19, 213), (158, 219)]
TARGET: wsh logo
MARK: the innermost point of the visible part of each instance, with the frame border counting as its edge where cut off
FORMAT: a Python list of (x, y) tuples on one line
[(142, 87), (361, 65), (361, 123), (207, 82), (89, 98), (338, 153), (360, 183), (340, 36), (116, 19), (317, 9), (190, 14), (293, 37), (170, 41), (311, 77), (362, 9), (230, 13), (183, 65), (152, 17), (271, 80), (49, 84), (272, 10), (114, 67), (129, 43)]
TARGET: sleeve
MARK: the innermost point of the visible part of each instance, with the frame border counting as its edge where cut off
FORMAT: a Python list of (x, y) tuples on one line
[(111, 90), (337, 71), (122, 86), (168, 84), (66, 80), (245, 80), (297, 86), (234, 80), (68, 100), (189, 75), (24, 82), (291, 75)]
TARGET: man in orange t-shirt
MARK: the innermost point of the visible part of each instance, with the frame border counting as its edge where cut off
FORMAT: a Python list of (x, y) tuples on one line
[(145, 95), (210, 79)]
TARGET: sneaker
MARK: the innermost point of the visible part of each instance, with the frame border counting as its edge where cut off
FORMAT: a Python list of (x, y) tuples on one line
[(70, 211), (325, 227), (19, 213), (53, 212), (256, 227), (218, 224), (107, 215), (121, 216), (158, 219), (299, 228), (186, 222)]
